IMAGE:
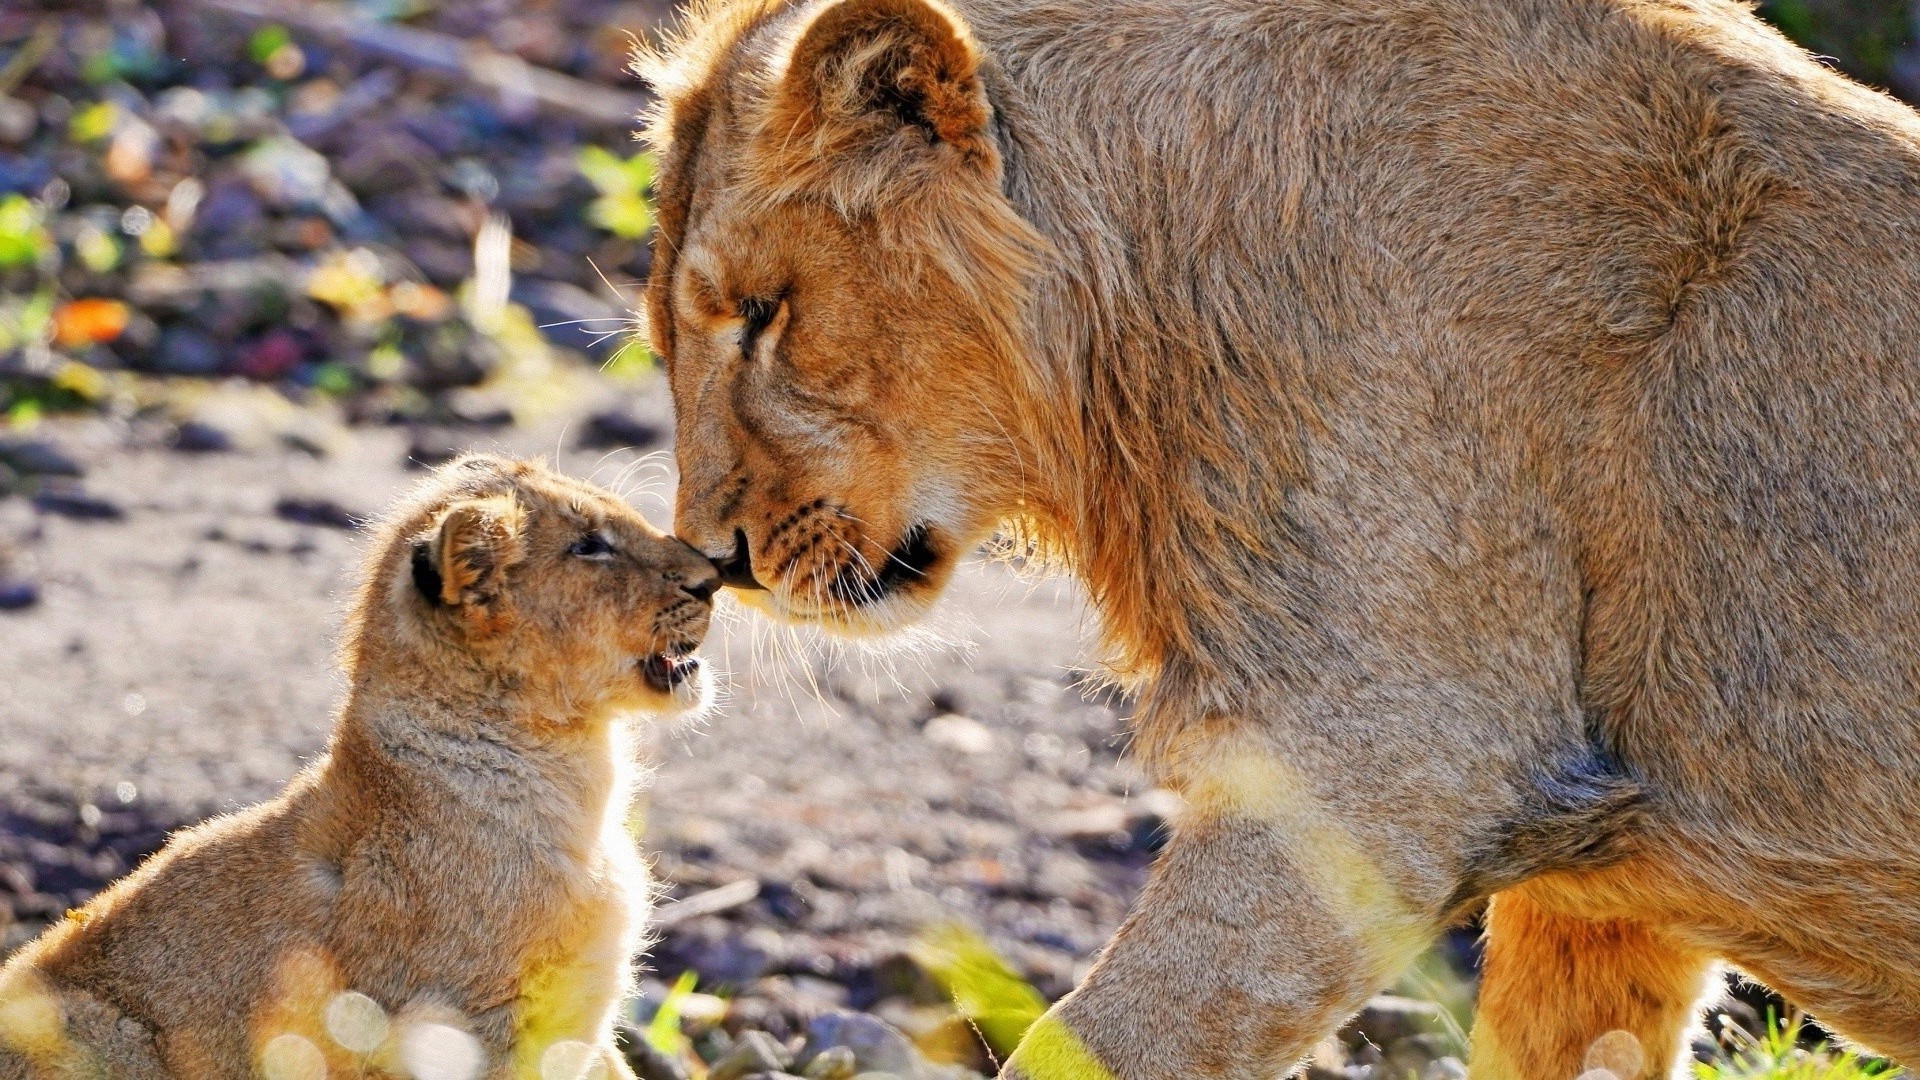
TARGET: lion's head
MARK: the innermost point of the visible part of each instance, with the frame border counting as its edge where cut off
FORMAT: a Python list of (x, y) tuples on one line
[(836, 290)]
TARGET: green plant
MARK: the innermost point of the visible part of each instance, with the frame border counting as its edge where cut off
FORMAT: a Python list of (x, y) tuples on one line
[(24, 239), (1778, 1055), (663, 1031), (622, 208), (984, 989)]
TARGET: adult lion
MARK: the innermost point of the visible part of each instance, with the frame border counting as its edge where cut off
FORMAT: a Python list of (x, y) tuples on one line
[(1487, 429)]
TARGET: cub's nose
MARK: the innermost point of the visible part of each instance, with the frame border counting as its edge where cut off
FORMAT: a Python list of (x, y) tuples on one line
[(702, 590), (694, 571)]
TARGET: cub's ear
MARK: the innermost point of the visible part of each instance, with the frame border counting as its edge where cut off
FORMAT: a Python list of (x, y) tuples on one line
[(875, 74), (466, 560)]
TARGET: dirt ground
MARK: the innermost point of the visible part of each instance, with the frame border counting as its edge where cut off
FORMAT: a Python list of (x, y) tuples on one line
[(179, 663)]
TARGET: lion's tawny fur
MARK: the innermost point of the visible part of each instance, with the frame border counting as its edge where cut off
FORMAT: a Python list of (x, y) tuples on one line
[(1486, 428), (458, 859)]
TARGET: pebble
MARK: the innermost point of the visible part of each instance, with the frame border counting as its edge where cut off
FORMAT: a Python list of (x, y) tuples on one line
[(186, 351), (959, 733), (616, 429), (18, 121), (755, 1052), (18, 595), (36, 457), (77, 504), (316, 511), (195, 437), (833, 1063), (876, 1046), (647, 1062), (1389, 1018)]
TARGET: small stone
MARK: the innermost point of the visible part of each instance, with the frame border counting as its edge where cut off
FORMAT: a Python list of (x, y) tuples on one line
[(1389, 1018), (647, 1062), (876, 1045), (429, 449), (316, 511), (754, 1052), (1414, 1053), (35, 457), (615, 429), (18, 121), (18, 595), (195, 437), (274, 356), (77, 504), (833, 1063), (959, 733), (1446, 1068), (186, 351)]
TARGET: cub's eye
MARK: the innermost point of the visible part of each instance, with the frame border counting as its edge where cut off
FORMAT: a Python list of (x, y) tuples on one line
[(593, 545), (757, 312)]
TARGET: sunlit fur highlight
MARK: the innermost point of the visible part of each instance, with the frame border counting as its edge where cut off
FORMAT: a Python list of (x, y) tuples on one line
[(460, 853), (1499, 415)]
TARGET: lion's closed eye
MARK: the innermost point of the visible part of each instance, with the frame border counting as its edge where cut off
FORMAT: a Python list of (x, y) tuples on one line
[(759, 314)]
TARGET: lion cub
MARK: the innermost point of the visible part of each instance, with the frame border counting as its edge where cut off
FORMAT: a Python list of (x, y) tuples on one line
[(449, 893)]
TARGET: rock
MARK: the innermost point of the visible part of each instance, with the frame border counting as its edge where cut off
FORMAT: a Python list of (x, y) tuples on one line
[(616, 429), (275, 355), (35, 457), (647, 1062), (71, 502), (429, 449), (1446, 1068), (959, 733), (754, 1052), (316, 511), (1412, 1054), (1389, 1018), (194, 437), (229, 223), (876, 1045), (286, 172), (833, 1063), (18, 121), (18, 595), (573, 317), (186, 351)]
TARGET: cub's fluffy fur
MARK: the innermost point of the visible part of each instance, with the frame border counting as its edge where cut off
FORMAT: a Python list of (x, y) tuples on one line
[(1488, 429), (449, 891)]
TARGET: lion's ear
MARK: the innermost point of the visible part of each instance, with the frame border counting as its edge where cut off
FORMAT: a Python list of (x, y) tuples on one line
[(466, 561), (880, 74)]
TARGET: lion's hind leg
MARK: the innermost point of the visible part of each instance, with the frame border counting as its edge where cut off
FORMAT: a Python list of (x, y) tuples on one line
[(1562, 996)]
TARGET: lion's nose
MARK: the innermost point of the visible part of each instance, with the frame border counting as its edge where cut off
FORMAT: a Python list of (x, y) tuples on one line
[(736, 568)]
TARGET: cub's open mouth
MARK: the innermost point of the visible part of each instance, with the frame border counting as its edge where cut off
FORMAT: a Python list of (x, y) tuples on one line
[(665, 671), (910, 561)]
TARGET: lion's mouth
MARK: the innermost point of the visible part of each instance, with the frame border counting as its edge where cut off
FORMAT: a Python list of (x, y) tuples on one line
[(910, 561), (664, 671)]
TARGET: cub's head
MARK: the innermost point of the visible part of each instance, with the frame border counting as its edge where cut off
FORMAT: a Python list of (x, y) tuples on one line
[(547, 588), (837, 287)]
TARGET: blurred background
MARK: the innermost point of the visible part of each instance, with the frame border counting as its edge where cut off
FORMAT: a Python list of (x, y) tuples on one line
[(261, 260)]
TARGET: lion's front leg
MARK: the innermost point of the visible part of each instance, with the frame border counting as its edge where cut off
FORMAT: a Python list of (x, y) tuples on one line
[(1258, 934)]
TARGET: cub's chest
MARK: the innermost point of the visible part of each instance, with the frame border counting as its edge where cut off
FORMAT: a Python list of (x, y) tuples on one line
[(576, 964)]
